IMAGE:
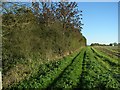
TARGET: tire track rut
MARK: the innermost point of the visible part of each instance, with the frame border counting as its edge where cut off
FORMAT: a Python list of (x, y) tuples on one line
[(60, 75), (81, 84)]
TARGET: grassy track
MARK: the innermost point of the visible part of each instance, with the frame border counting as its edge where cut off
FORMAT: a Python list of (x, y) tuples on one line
[(70, 77), (47, 74), (89, 69)]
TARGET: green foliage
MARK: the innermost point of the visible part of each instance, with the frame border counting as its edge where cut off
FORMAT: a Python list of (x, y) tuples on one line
[(46, 74), (25, 37), (32, 37), (86, 70), (95, 75), (108, 59), (71, 75)]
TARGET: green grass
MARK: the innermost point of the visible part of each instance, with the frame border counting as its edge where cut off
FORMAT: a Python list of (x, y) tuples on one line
[(70, 77), (111, 51), (89, 69), (95, 75), (46, 74), (112, 61)]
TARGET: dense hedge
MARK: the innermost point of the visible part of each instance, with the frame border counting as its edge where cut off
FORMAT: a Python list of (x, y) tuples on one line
[(25, 37)]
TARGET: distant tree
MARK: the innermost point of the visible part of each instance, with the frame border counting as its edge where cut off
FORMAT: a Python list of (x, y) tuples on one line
[(115, 44), (110, 44), (68, 14), (45, 11), (118, 44), (36, 9), (49, 12)]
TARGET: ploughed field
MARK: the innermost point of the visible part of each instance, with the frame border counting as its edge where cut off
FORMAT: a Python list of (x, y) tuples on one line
[(91, 68)]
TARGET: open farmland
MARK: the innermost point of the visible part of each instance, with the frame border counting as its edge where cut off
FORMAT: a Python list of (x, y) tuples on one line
[(112, 51), (88, 69)]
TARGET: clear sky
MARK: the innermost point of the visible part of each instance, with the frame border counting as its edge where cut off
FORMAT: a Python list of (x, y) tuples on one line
[(100, 21)]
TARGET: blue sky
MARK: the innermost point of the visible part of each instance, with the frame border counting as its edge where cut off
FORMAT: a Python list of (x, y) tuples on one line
[(100, 21)]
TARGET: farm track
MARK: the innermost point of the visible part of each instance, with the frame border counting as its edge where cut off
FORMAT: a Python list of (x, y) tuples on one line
[(58, 70), (83, 71), (72, 69), (88, 69), (60, 75)]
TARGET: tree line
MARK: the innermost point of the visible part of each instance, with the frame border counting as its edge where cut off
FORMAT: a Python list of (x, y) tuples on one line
[(47, 13), (111, 44)]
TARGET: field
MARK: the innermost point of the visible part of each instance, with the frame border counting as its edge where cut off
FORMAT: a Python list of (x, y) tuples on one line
[(91, 68), (43, 47)]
